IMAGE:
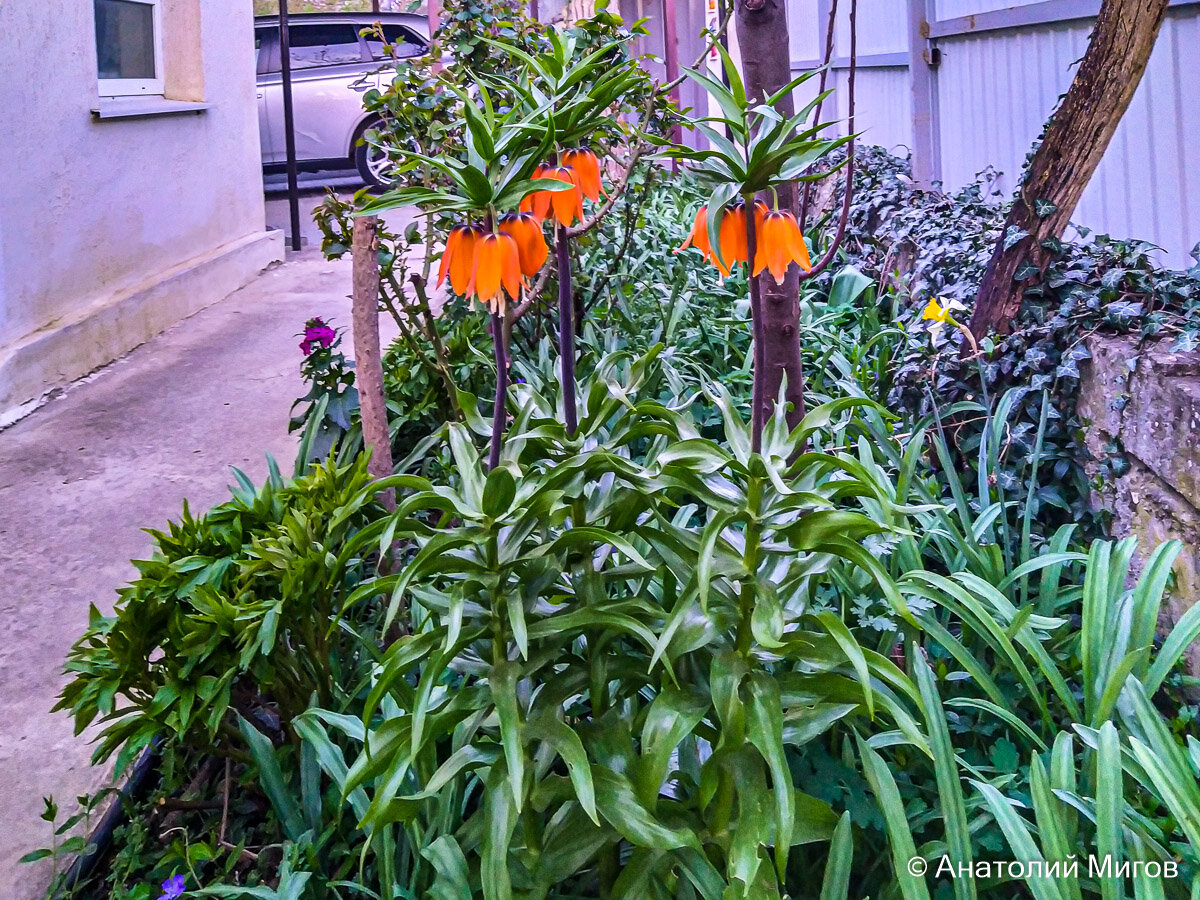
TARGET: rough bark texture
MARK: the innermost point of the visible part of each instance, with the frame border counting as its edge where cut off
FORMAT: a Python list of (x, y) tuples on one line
[(368, 363), (762, 31), (1070, 150)]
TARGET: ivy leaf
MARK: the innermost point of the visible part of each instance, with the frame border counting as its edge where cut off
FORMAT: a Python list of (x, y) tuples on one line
[(1014, 236), (1044, 208), (1054, 245), (1004, 756)]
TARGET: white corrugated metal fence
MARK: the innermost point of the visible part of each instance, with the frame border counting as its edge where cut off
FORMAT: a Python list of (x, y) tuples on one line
[(986, 74)]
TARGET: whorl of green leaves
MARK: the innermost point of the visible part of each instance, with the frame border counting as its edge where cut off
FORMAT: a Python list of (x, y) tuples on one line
[(562, 97), (502, 150), (572, 89), (752, 148)]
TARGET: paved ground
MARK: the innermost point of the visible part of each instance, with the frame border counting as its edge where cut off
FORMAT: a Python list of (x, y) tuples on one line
[(119, 452), (312, 192)]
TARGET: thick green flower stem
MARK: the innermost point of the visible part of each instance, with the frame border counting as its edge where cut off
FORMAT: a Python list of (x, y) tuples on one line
[(499, 604), (758, 403), (498, 412), (566, 328), (750, 564)]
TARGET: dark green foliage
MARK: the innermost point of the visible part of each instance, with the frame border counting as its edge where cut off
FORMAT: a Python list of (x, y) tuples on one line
[(941, 245)]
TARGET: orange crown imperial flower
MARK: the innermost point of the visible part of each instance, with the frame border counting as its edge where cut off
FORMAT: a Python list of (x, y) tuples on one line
[(526, 230), (458, 259), (731, 236), (780, 244), (497, 270), (587, 171), (567, 206)]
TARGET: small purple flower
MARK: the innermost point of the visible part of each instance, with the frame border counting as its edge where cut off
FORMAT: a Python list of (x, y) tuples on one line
[(317, 333), (173, 888)]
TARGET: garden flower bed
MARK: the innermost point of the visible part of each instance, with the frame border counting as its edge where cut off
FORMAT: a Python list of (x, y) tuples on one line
[(617, 630)]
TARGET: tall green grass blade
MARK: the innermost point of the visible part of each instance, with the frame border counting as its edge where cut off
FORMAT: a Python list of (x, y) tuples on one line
[(945, 763), (1020, 841), (1110, 801), (836, 883), (887, 798)]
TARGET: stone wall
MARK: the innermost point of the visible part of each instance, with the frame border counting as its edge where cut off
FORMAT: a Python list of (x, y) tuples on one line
[(1141, 406)]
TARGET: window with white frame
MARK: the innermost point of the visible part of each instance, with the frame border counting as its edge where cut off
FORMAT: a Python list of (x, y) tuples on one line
[(129, 58)]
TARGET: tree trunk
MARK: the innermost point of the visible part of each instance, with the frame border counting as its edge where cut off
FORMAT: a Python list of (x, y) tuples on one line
[(762, 31), (1070, 150), (368, 364)]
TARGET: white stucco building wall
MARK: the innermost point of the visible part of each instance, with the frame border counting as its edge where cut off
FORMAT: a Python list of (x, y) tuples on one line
[(113, 229)]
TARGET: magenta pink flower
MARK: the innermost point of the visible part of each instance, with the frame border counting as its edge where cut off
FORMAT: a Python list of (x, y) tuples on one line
[(317, 334)]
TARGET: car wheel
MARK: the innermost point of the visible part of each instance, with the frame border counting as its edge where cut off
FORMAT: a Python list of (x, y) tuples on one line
[(373, 164)]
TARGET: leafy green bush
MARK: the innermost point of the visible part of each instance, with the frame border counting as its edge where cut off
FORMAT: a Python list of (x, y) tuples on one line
[(639, 656), (581, 614), (234, 612)]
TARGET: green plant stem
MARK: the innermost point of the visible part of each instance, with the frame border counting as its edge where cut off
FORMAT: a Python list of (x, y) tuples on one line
[(750, 563), (566, 329), (501, 389), (405, 327)]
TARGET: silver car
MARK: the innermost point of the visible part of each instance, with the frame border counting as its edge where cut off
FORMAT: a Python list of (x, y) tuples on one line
[(333, 65)]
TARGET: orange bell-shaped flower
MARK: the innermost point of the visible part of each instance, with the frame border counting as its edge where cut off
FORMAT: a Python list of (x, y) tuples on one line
[(537, 203), (567, 206), (587, 171), (458, 259), (780, 244), (698, 237), (731, 236), (497, 270), (526, 230)]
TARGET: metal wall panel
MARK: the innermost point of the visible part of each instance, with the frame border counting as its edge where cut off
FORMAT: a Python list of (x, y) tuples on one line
[(806, 31), (883, 107), (950, 9), (882, 27), (884, 103), (996, 90)]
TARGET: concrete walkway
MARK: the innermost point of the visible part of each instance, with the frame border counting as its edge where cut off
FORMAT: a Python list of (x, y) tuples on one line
[(117, 453)]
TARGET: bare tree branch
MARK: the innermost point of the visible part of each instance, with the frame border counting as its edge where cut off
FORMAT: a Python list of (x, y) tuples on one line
[(829, 37), (840, 234)]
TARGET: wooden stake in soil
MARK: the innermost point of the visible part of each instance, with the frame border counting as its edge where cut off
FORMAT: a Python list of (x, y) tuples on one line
[(368, 362)]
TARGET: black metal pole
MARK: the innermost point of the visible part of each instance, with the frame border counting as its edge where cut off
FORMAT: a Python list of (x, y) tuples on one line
[(289, 130)]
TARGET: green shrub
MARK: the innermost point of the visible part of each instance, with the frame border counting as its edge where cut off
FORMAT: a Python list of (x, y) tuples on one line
[(233, 612), (635, 664)]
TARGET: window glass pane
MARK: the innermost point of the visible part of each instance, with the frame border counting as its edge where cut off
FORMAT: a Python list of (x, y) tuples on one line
[(323, 45), (124, 39), (402, 42)]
